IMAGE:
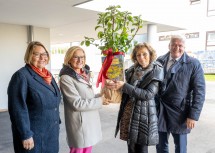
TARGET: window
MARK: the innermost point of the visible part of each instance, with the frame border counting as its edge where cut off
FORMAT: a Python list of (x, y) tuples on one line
[(210, 40), (60, 48), (211, 8)]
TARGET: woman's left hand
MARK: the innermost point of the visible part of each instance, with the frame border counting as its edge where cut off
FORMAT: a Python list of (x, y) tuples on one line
[(119, 85), (114, 85)]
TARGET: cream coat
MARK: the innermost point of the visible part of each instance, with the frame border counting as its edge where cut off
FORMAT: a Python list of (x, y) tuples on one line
[(81, 107)]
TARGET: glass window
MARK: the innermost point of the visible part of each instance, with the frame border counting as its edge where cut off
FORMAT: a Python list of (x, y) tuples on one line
[(210, 40), (60, 48), (211, 8)]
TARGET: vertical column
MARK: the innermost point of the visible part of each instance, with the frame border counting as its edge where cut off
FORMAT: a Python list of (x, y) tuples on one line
[(30, 33), (152, 34)]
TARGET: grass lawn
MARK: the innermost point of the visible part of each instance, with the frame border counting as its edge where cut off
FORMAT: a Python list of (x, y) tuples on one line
[(210, 77)]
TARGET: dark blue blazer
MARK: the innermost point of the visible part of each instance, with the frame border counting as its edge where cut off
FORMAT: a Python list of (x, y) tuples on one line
[(182, 94), (34, 111)]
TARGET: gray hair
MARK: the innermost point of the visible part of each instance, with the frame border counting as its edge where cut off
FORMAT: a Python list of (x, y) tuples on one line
[(178, 37)]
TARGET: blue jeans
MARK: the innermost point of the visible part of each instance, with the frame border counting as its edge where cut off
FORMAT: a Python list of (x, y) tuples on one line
[(180, 141)]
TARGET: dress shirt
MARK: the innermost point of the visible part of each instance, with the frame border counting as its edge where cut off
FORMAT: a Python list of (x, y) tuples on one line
[(171, 62)]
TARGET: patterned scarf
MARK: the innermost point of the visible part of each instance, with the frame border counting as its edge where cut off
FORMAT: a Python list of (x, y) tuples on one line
[(84, 76), (139, 72), (45, 74)]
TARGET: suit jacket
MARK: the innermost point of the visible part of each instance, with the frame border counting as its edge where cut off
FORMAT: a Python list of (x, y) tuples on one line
[(182, 94), (34, 111)]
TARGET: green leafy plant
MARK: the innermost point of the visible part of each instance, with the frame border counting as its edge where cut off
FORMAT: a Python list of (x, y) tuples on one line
[(116, 30)]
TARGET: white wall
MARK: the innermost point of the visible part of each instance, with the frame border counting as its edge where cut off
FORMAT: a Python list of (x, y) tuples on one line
[(194, 44), (43, 35), (13, 43)]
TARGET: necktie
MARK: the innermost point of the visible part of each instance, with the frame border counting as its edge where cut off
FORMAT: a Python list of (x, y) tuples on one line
[(170, 64)]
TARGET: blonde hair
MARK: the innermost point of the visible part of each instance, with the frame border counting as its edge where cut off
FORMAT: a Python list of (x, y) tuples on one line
[(70, 53), (140, 46), (30, 50)]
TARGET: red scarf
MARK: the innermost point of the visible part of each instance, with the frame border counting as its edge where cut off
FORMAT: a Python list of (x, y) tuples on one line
[(45, 74)]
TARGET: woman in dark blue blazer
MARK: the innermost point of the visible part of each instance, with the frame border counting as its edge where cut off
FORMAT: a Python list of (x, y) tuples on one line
[(33, 103)]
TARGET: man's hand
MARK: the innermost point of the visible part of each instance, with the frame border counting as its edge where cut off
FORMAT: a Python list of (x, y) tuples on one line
[(190, 123), (28, 144)]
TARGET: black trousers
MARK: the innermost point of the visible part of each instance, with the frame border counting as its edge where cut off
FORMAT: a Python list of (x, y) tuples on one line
[(137, 148)]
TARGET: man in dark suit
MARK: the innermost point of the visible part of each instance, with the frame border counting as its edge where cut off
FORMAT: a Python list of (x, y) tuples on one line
[(181, 96)]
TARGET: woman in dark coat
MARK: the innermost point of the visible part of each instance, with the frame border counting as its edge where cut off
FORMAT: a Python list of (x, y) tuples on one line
[(33, 103), (137, 119)]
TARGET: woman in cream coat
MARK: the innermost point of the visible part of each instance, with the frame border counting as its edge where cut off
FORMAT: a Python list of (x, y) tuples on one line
[(81, 105)]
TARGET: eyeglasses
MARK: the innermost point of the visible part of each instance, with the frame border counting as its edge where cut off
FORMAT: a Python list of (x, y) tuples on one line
[(37, 55), (79, 57), (142, 54)]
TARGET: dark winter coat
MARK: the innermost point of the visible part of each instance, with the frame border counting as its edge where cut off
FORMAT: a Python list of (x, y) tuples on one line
[(182, 94), (34, 111), (143, 125)]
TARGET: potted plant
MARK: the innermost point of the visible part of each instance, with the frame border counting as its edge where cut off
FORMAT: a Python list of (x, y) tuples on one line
[(116, 30)]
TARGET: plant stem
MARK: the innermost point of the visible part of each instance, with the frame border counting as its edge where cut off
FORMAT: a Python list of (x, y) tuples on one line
[(103, 25), (113, 22), (138, 27)]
